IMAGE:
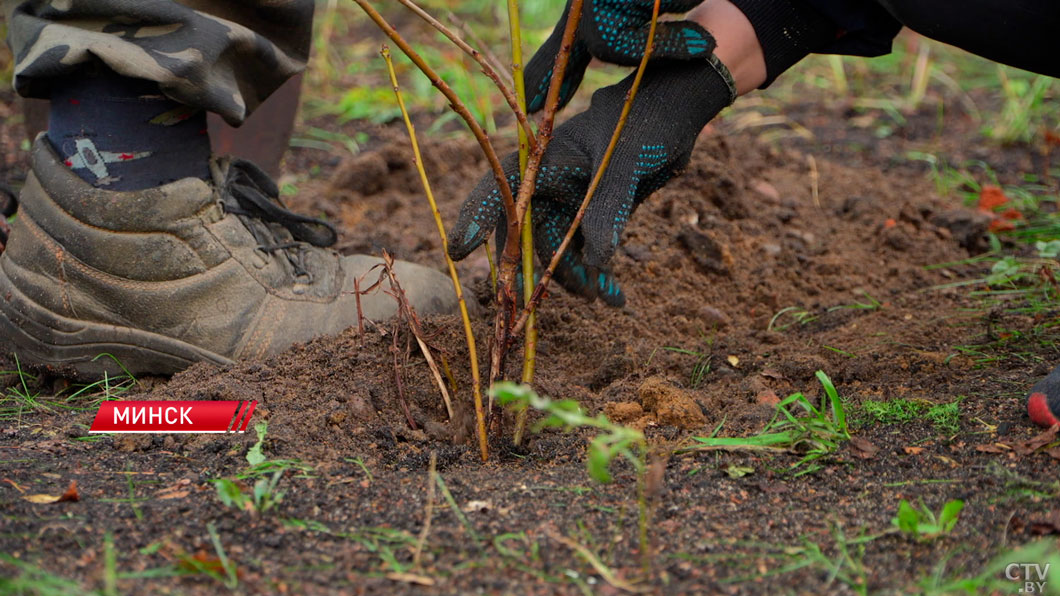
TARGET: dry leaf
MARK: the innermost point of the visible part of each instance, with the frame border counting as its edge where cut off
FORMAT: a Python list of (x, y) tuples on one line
[(42, 499), (992, 448), (947, 460), (767, 397), (1031, 445), (411, 578), (913, 450), (15, 484), (71, 494), (863, 448), (177, 491)]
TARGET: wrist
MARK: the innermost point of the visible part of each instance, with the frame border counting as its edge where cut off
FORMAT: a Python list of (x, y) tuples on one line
[(737, 45)]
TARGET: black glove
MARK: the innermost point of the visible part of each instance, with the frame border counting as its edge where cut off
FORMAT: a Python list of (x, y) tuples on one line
[(675, 101), (613, 31)]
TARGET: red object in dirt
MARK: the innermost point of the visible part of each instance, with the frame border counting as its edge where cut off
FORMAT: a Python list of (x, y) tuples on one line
[(1001, 225), (1012, 213), (991, 197), (1040, 413)]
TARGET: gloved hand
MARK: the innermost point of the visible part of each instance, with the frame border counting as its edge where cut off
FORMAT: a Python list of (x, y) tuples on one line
[(675, 101), (614, 31)]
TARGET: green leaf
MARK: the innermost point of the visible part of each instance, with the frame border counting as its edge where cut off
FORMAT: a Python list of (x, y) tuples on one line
[(908, 519), (838, 414), (229, 493), (951, 511), (254, 455), (1048, 250), (598, 461)]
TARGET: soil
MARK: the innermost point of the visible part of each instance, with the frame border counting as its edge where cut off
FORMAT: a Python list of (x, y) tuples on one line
[(707, 264)]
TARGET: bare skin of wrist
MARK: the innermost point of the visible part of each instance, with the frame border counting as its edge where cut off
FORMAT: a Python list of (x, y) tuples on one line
[(738, 47)]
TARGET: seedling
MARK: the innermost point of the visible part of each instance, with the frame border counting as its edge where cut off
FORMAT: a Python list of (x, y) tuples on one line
[(921, 523), (871, 304), (510, 321), (220, 568), (701, 368), (614, 441), (818, 432), (798, 315), (266, 473)]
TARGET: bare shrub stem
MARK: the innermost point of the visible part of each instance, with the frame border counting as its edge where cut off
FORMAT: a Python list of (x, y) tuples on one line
[(476, 385)]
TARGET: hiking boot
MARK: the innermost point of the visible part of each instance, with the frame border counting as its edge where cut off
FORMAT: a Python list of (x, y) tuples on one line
[(189, 271)]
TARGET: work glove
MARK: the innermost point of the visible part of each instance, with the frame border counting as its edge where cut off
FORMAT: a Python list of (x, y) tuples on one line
[(675, 101), (613, 31)]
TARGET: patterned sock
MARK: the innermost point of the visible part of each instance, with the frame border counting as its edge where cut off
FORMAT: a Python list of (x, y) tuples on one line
[(119, 133)]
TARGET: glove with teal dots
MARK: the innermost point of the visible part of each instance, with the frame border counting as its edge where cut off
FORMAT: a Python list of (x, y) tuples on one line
[(614, 31), (675, 101)]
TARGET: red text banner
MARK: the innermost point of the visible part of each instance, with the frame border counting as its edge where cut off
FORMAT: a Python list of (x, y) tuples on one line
[(173, 417)]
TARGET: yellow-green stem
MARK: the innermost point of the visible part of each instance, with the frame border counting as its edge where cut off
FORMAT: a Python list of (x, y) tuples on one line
[(476, 386), (530, 339)]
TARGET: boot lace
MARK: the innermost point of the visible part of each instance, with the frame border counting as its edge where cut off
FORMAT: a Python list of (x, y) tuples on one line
[(250, 193)]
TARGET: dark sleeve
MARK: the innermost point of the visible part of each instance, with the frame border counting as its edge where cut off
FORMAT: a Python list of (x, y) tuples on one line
[(788, 31), (1020, 33), (865, 28)]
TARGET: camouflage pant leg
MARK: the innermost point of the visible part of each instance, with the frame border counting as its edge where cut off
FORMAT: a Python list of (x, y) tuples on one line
[(226, 56)]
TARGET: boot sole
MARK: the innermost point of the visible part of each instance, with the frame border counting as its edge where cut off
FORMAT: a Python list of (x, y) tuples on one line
[(44, 339)]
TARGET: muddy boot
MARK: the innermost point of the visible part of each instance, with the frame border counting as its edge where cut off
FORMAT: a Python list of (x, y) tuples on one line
[(168, 276)]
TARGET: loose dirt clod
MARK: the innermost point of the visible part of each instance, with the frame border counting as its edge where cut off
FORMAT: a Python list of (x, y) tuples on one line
[(671, 405)]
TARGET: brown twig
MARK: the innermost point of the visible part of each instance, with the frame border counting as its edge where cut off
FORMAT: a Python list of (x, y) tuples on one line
[(510, 256), (542, 285), (814, 179), (360, 311), (405, 310), (399, 385), (487, 68), (476, 384)]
